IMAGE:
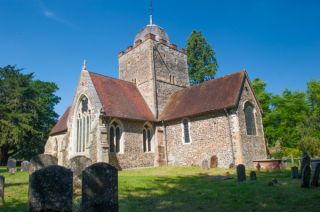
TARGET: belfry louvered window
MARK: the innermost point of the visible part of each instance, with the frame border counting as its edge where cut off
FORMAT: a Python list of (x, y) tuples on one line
[(115, 137), (186, 133), (250, 119), (147, 137), (83, 125)]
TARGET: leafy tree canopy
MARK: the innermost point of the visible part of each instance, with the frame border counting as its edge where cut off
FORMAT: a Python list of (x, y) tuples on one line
[(26, 113), (201, 59)]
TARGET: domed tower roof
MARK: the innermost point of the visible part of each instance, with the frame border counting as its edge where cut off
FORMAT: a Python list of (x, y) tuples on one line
[(154, 29)]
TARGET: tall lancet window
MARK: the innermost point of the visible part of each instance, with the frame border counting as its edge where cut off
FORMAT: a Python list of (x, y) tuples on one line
[(250, 119), (83, 125), (147, 139)]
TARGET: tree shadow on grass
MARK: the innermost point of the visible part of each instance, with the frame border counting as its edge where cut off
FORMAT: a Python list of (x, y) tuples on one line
[(213, 193)]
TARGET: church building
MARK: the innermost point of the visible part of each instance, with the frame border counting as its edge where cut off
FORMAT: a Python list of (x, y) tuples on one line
[(151, 116)]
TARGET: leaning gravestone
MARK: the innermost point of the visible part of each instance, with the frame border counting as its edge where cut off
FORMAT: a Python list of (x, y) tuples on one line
[(12, 166), (315, 178), (25, 166), (2, 179), (241, 173), (205, 164), (253, 176), (100, 188), (50, 189), (306, 160), (40, 161), (306, 175), (294, 172)]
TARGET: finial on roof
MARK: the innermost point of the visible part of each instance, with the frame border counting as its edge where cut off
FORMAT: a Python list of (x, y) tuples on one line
[(151, 13), (84, 67)]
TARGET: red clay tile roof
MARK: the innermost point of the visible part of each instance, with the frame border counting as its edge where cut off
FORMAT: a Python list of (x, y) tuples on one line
[(121, 99), (61, 125), (209, 96)]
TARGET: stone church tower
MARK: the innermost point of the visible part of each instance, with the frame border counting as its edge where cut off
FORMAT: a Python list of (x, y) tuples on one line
[(155, 65)]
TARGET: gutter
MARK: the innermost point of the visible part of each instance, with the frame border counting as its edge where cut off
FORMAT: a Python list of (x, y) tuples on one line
[(165, 140)]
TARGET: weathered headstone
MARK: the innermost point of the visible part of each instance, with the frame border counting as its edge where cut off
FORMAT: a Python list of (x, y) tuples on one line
[(12, 166), (100, 188), (258, 167), (241, 173), (315, 178), (2, 180), (25, 166), (40, 161), (253, 176), (205, 164), (294, 172), (214, 162), (306, 160), (50, 189), (78, 164), (306, 175)]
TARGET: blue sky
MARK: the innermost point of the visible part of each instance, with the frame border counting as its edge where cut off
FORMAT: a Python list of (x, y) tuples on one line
[(277, 41)]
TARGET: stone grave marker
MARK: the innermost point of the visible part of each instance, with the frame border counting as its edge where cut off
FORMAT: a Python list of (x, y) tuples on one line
[(306, 175), (2, 181), (241, 173), (50, 189), (40, 161), (205, 164), (306, 160), (258, 167), (294, 172), (315, 178), (100, 188), (78, 164), (253, 176), (25, 166), (12, 166)]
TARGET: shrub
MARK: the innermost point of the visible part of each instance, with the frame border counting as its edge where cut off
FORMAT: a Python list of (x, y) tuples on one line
[(310, 145)]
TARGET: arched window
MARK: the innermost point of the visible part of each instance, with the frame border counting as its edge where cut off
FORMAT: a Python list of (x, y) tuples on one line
[(186, 133), (250, 119), (83, 125), (147, 137), (115, 137)]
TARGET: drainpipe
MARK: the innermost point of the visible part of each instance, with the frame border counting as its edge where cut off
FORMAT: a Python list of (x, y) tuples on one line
[(230, 135), (165, 141)]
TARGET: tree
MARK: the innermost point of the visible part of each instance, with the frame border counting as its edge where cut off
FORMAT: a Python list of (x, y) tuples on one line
[(310, 145), (201, 59), (26, 113), (288, 115), (263, 96)]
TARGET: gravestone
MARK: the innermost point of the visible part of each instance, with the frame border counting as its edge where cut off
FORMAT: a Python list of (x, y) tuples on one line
[(2, 180), (12, 166), (78, 164), (100, 188), (214, 162), (258, 167), (306, 175), (315, 178), (294, 172), (306, 160), (25, 166), (205, 164), (241, 173), (40, 161), (50, 189), (253, 176)]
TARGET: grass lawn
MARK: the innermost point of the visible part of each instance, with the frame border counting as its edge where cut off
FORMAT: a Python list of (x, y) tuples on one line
[(189, 189)]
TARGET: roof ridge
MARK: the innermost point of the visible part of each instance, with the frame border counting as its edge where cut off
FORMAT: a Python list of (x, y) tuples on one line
[(90, 72)]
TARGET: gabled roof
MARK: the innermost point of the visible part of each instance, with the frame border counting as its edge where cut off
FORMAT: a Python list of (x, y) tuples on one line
[(61, 125), (213, 95), (121, 99)]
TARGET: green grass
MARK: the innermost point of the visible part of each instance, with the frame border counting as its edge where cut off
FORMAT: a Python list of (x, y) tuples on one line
[(190, 189)]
